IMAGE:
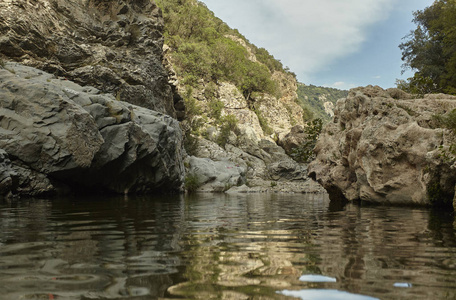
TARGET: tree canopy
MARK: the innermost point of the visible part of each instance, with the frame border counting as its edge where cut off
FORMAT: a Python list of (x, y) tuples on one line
[(430, 50)]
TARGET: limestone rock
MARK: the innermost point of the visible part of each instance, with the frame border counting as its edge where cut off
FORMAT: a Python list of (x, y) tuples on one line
[(385, 147), (115, 46), (54, 132), (293, 139)]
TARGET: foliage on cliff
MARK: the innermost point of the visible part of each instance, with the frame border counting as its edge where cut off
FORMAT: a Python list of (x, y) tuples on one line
[(204, 47), (305, 152), (312, 99), (430, 50)]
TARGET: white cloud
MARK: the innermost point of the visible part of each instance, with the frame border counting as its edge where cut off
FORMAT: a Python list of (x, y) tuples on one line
[(307, 35), (341, 85)]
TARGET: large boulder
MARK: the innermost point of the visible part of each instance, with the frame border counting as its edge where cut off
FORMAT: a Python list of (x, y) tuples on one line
[(385, 147), (215, 176), (56, 133), (115, 46)]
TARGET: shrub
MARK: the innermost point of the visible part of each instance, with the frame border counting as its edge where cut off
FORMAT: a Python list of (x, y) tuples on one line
[(193, 122), (192, 183), (203, 49), (210, 91), (263, 123), (304, 153), (449, 120), (229, 124), (215, 109)]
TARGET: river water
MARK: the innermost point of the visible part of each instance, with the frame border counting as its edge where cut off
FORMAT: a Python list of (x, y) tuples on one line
[(223, 247)]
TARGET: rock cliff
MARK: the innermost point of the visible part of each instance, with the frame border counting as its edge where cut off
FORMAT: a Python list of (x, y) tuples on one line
[(249, 159), (385, 147), (56, 135), (65, 123), (115, 46)]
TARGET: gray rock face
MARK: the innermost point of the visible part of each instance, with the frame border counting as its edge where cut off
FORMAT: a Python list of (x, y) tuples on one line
[(216, 176), (115, 46), (385, 147), (54, 132)]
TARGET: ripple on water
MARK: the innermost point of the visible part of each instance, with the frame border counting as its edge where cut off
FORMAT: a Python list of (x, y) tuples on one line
[(217, 246)]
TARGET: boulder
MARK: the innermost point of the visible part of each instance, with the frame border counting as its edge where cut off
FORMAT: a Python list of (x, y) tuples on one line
[(296, 137), (385, 147), (56, 133), (215, 176)]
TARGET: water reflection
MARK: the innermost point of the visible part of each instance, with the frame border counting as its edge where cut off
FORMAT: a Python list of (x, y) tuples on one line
[(317, 278), (227, 247), (312, 294)]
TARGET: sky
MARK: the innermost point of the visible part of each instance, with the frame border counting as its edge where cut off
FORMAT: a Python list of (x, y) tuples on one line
[(334, 43)]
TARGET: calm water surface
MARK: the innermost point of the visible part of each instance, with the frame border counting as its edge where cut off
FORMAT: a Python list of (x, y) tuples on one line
[(223, 247)]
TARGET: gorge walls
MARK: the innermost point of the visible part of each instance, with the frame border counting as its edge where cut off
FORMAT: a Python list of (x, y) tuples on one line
[(85, 102)]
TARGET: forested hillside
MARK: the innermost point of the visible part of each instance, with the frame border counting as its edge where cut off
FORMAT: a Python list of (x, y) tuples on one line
[(318, 101)]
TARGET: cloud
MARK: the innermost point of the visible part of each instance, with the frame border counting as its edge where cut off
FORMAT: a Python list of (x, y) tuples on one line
[(341, 85), (307, 35)]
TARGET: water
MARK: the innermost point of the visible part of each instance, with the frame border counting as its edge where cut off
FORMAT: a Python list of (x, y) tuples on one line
[(223, 247)]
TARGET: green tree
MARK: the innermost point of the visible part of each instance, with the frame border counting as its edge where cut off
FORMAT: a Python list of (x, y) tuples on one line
[(304, 153), (430, 50)]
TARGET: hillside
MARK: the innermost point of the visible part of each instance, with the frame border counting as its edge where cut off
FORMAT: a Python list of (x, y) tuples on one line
[(318, 101), (240, 102), (221, 74)]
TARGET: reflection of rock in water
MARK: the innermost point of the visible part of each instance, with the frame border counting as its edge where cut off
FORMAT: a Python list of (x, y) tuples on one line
[(87, 248), (249, 247), (222, 246), (265, 249)]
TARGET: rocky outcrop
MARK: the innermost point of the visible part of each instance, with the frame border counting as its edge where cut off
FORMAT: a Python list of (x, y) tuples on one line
[(385, 147), (55, 134), (115, 46), (257, 167)]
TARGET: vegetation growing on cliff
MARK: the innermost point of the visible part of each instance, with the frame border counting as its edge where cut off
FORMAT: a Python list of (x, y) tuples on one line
[(204, 47), (430, 50), (304, 153)]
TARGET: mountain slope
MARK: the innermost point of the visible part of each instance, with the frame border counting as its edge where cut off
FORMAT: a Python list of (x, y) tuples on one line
[(208, 59), (318, 101)]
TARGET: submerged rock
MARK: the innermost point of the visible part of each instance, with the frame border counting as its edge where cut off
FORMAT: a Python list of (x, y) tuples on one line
[(385, 147), (55, 133)]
